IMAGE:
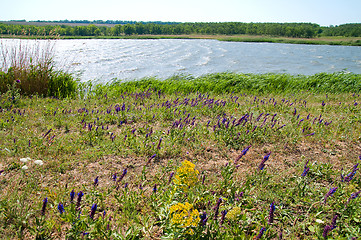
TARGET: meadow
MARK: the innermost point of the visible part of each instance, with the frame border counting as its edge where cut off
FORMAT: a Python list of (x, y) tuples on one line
[(222, 156)]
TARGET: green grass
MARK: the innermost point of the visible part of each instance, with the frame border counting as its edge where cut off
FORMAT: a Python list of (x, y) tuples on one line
[(314, 41), (150, 127)]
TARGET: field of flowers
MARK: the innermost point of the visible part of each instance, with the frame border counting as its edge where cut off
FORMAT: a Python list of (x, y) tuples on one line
[(147, 163)]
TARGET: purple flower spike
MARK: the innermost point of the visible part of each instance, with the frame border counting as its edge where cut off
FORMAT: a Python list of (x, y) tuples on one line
[(96, 181), (353, 196), (80, 195), (150, 158), (155, 188), (216, 208), (43, 209), (160, 141), (244, 151), (350, 176), (114, 177), (170, 177), (260, 234), (72, 195), (330, 193), (204, 218), (123, 175), (271, 212), (93, 210), (262, 164), (61, 208), (305, 169), (326, 231)]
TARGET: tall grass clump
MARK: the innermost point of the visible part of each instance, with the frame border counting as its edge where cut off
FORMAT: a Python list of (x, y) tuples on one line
[(31, 63), (228, 82)]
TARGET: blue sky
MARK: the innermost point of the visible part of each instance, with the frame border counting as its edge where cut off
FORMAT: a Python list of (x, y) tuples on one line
[(323, 12)]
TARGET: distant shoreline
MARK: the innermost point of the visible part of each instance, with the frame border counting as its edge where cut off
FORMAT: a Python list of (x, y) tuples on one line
[(341, 41)]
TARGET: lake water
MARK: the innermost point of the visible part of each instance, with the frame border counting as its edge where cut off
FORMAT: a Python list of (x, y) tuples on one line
[(127, 59)]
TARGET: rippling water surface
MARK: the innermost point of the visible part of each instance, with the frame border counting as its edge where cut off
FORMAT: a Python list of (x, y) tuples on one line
[(105, 60)]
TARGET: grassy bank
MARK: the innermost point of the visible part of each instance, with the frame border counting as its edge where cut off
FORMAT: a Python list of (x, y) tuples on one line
[(346, 41), (223, 156)]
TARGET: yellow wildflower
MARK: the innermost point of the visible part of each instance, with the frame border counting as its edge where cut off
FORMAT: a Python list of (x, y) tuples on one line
[(234, 213), (184, 216), (186, 175)]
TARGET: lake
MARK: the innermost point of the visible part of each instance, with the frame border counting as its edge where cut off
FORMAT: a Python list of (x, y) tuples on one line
[(104, 59)]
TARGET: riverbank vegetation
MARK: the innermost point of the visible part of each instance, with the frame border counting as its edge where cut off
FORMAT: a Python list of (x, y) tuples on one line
[(29, 69), (270, 32), (235, 156)]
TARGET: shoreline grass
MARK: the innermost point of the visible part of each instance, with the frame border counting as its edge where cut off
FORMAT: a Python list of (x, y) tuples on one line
[(185, 158), (345, 41)]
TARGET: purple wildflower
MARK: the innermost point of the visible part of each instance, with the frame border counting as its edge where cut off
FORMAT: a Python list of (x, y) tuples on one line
[(311, 134), (216, 208), (78, 201), (203, 179), (260, 234), (61, 208), (45, 202), (262, 164), (271, 212), (150, 158), (123, 174), (350, 176), (353, 196), (305, 169), (93, 210), (96, 181), (244, 151), (334, 219), (160, 141), (203, 218), (72, 195), (326, 230), (114, 177), (155, 188), (17, 81), (170, 177), (330, 193)]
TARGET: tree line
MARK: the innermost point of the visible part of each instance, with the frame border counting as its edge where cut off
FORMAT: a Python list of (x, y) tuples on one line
[(295, 30)]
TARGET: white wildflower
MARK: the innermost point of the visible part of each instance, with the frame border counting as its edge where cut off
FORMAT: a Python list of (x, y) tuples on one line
[(25, 160), (38, 162), (25, 167)]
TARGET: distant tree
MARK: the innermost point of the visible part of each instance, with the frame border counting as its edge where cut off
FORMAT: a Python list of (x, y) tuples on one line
[(128, 29)]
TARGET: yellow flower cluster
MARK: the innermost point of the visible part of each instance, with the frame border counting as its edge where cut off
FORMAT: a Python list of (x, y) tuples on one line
[(184, 216), (186, 175), (234, 213)]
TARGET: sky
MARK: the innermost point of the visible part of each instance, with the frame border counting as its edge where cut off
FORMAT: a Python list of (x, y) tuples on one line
[(322, 12)]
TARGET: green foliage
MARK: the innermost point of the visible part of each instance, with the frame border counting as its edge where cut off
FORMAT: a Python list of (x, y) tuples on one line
[(294, 30), (338, 82)]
